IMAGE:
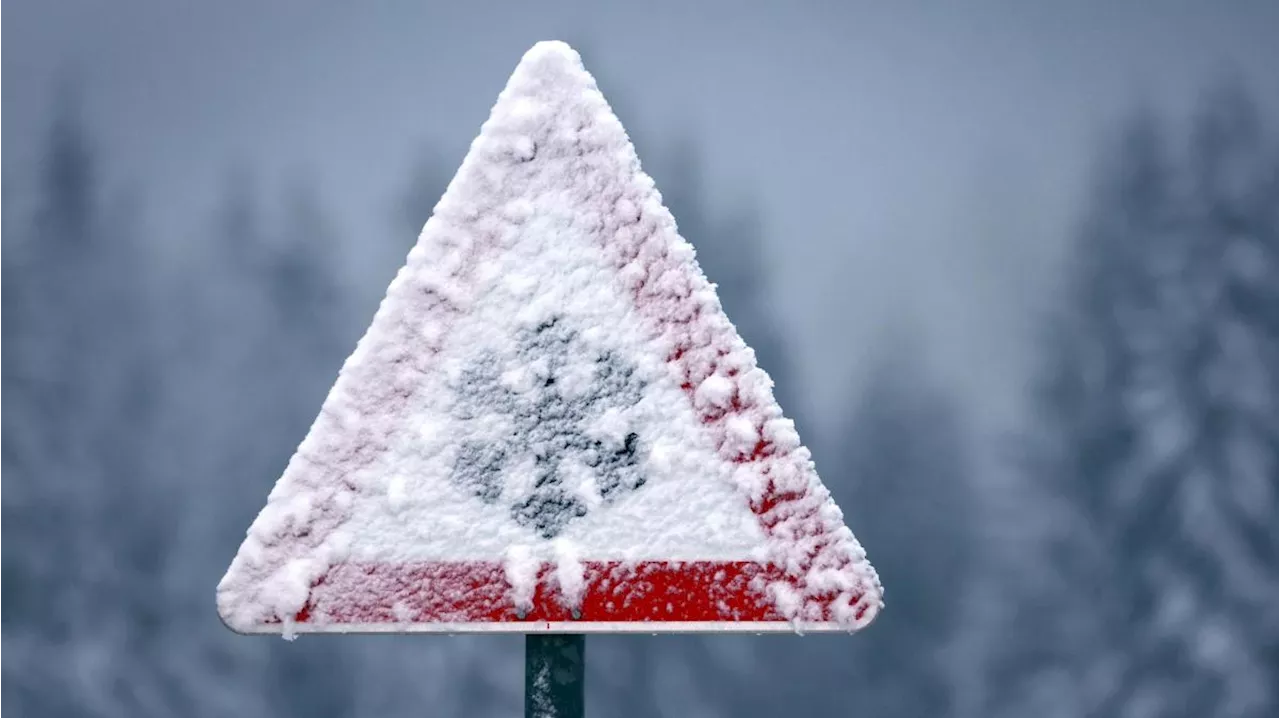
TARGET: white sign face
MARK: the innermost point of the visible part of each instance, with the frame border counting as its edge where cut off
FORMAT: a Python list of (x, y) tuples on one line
[(550, 424)]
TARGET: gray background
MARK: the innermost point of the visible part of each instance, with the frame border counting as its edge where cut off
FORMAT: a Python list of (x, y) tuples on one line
[(865, 180)]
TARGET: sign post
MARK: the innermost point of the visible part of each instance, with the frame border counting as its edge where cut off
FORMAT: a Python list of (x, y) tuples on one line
[(554, 664), (550, 428)]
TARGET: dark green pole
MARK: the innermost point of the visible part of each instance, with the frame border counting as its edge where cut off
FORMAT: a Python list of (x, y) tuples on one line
[(553, 667)]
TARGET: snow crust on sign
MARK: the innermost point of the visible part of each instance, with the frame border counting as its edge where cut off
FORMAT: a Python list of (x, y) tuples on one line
[(551, 380), (485, 429)]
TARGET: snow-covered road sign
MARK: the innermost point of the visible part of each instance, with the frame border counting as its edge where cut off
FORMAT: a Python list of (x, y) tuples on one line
[(550, 425)]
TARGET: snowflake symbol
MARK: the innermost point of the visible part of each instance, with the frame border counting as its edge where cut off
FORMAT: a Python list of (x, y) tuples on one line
[(551, 425)]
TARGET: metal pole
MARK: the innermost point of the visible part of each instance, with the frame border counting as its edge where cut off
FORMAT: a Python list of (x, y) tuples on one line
[(553, 680)]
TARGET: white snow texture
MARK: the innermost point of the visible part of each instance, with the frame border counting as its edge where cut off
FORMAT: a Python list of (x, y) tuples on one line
[(550, 380)]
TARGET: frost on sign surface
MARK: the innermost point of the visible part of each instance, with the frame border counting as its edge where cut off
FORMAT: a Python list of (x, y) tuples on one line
[(548, 411), (550, 423)]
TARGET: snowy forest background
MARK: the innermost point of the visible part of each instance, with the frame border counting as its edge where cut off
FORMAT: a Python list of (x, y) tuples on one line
[(1117, 558)]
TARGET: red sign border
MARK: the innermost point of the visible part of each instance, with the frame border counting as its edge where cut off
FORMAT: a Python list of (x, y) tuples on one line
[(637, 237)]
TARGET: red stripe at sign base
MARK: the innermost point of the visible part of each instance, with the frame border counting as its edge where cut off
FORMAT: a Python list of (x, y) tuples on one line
[(354, 594)]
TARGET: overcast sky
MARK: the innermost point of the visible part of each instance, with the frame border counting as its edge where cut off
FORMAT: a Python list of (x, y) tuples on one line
[(909, 159)]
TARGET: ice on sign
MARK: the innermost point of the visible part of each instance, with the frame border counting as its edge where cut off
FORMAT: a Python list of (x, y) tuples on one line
[(550, 424)]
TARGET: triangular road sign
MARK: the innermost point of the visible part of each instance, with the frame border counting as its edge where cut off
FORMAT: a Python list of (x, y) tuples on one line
[(550, 424)]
